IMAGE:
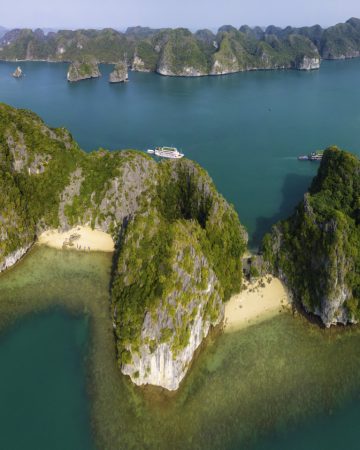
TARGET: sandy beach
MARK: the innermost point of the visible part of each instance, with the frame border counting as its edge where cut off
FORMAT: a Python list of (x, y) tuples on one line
[(259, 301), (80, 238)]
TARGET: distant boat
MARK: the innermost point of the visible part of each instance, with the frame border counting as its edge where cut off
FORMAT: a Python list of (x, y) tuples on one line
[(166, 152), (314, 156), (18, 73)]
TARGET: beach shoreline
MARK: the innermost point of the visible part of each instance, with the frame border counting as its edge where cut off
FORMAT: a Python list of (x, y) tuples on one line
[(81, 238), (258, 301)]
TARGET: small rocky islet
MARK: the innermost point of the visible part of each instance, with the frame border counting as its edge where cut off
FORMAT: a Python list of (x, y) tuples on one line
[(119, 73), (18, 72), (180, 243), (88, 68), (83, 69)]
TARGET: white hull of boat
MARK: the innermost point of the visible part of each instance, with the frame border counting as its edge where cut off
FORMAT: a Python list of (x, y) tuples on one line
[(166, 154)]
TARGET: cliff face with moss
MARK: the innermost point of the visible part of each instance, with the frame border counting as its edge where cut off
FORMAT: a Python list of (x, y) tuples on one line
[(83, 70), (120, 73), (179, 260), (47, 181), (316, 252), (179, 244)]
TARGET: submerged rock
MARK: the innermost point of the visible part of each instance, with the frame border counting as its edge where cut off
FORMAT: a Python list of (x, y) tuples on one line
[(119, 74), (83, 70)]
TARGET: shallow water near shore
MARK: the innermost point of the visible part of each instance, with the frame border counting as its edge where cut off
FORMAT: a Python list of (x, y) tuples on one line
[(246, 129), (284, 383)]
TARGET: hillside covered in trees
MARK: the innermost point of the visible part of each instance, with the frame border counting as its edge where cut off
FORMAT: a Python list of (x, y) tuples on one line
[(179, 52), (179, 243), (316, 252)]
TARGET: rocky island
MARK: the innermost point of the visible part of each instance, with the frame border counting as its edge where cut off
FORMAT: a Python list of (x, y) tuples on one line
[(83, 70), (120, 73), (179, 243), (18, 73), (179, 52), (316, 252)]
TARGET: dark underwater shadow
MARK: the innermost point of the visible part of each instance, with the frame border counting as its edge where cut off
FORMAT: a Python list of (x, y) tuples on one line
[(292, 192)]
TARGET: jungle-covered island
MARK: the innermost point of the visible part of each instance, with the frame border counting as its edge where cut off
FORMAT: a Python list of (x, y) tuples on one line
[(179, 245), (83, 69), (316, 252), (179, 52)]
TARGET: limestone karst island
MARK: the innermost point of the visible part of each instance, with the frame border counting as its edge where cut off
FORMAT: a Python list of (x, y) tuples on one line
[(179, 250)]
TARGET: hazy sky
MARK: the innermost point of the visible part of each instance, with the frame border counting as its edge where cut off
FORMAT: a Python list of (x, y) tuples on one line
[(174, 13)]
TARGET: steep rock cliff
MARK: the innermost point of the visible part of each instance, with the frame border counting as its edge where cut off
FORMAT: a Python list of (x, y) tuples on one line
[(120, 73), (83, 70), (179, 244), (181, 55), (316, 252), (179, 260), (46, 181)]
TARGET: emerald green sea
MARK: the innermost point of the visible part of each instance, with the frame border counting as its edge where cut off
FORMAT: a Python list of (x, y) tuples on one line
[(282, 384)]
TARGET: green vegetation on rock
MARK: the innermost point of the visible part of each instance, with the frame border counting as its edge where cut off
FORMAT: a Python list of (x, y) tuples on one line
[(179, 243), (317, 250), (84, 69), (179, 259), (48, 181)]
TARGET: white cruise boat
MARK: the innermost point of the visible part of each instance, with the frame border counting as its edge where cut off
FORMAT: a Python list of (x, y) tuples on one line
[(166, 152)]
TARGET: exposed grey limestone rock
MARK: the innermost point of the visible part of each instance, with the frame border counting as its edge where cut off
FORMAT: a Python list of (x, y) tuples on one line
[(119, 74), (13, 257)]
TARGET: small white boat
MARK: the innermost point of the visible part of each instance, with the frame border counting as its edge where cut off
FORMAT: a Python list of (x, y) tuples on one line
[(166, 152)]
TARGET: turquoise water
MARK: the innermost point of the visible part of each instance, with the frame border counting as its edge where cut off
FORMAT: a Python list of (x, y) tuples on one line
[(246, 129), (279, 385), (43, 398)]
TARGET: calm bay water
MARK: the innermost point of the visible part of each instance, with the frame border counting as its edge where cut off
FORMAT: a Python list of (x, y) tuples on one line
[(278, 385), (246, 129)]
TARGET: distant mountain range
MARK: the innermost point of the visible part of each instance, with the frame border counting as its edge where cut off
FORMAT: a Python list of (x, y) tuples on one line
[(179, 52)]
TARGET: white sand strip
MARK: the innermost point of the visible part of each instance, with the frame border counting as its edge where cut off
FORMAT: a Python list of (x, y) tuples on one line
[(80, 238), (260, 300)]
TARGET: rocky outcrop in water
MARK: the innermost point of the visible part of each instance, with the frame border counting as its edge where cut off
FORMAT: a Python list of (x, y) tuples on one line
[(18, 73), (174, 328), (188, 245), (83, 70), (179, 242), (316, 252), (120, 73)]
